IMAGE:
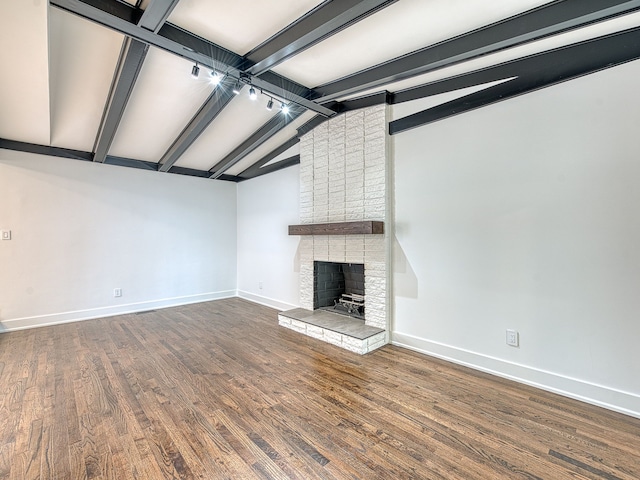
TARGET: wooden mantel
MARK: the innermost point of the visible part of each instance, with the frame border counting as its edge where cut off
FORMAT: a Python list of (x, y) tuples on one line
[(367, 227)]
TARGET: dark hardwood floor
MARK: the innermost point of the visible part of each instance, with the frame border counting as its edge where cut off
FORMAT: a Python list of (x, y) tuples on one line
[(218, 390)]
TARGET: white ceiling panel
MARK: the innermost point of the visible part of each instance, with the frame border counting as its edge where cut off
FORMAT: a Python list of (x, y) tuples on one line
[(83, 58), (401, 28), (235, 123), (240, 25), (556, 41), (274, 142), (24, 82), (162, 103)]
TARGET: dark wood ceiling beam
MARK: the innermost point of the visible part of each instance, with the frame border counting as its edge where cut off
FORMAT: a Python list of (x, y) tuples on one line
[(503, 71), (110, 160), (131, 163), (273, 126), (130, 63), (122, 10), (216, 102), (327, 19), (547, 20), (274, 167), (187, 44), (191, 172), (47, 150), (156, 14), (195, 49), (255, 168), (536, 72)]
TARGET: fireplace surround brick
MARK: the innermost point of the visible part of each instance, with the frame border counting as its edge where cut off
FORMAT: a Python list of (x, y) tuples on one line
[(344, 177)]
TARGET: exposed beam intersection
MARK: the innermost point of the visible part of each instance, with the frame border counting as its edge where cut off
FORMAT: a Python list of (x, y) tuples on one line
[(273, 126)]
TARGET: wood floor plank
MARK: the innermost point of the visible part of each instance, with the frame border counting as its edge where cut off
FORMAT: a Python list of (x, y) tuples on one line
[(218, 391), (6, 456), (417, 445)]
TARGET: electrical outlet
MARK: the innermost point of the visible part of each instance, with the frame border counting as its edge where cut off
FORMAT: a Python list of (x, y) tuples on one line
[(6, 234), (260, 285), (513, 338), (117, 292)]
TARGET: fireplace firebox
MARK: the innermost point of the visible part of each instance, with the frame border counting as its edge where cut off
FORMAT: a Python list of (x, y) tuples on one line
[(339, 287)]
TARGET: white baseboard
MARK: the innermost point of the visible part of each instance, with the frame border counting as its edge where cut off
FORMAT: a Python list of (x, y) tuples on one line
[(78, 315), (266, 301), (602, 396)]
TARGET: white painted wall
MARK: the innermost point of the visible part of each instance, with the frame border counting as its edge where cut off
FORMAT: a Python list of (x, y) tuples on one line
[(79, 230), (267, 205), (526, 215)]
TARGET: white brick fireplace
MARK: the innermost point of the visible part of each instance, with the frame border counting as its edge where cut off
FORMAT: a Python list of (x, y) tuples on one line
[(344, 177)]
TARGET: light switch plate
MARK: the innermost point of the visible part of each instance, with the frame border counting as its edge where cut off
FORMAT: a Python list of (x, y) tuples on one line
[(6, 234)]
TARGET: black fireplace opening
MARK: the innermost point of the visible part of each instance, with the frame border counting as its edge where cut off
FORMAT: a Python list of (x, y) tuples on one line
[(339, 287)]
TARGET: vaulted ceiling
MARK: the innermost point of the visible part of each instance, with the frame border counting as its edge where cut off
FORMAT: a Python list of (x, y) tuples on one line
[(111, 81)]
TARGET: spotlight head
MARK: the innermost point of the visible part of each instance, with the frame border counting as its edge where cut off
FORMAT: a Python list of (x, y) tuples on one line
[(216, 78), (195, 71), (252, 93), (284, 108), (237, 88), (270, 104)]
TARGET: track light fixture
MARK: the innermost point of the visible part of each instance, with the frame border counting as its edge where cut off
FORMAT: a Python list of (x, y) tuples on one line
[(245, 79), (216, 78)]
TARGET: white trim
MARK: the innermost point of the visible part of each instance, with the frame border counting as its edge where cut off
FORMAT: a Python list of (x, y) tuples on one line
[(266, 301), (79, 315), (610, 398)]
